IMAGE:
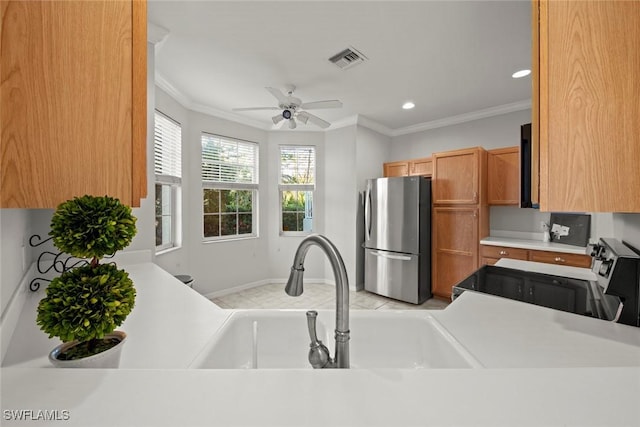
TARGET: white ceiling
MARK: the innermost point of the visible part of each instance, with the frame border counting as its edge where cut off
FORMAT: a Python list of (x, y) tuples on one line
[(454, 59)]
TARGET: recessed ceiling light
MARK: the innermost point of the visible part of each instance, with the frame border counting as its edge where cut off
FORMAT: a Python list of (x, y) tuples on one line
[(521, 73), (408, 105)]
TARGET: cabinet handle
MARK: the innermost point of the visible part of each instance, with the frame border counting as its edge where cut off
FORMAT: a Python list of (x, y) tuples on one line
[(504, 253), (559, 259)]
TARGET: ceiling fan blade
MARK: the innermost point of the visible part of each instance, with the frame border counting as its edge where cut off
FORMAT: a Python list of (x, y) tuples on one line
[(277, 119), (316, 105), (255, 108), (315, 119), (302, 116), (281, 97)]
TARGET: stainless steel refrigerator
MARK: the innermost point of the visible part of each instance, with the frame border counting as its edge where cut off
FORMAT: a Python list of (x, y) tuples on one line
[(397, 238)]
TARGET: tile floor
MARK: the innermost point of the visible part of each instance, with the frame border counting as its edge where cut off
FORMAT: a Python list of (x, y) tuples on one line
[(315, 296)]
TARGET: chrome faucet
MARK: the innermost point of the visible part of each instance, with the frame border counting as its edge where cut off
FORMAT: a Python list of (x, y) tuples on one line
[(318, 352)]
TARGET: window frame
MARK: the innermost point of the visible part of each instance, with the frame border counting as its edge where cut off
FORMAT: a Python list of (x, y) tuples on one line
[(295, 187), (175, 185), (225, 185)]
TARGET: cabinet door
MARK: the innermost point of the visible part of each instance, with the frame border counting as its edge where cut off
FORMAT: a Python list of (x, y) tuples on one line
[(456, 177), (455, 247), (573, 260), (422, 167), (585, 102), (503, 176), (72, 101), (395, 169)]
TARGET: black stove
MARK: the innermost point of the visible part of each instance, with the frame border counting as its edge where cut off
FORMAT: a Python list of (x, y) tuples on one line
[(614, 296)]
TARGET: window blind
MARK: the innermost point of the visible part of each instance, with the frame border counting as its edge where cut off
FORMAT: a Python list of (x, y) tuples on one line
[(167, 157), (297, 165), (229, 161)]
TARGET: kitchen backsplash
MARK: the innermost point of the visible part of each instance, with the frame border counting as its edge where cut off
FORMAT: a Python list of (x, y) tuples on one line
[(511, 218)]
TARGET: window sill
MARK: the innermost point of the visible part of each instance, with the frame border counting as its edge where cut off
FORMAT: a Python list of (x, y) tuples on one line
[(232, 239), (295, 233), (167, 250)]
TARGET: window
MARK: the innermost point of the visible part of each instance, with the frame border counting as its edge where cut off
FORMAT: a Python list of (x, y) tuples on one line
[(297, 183), (229, 187), (168, 171)]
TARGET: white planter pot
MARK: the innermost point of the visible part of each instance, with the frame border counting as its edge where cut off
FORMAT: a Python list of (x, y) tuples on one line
[(106, 359)]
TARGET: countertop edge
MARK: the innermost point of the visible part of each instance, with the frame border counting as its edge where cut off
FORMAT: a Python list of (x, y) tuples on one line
[(533, 245)]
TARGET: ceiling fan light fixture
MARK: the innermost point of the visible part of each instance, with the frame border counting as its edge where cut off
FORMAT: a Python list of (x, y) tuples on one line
[(292, 123)]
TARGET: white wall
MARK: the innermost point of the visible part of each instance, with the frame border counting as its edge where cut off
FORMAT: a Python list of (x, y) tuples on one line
[(15, 230), (493, 132), (176, 260), (219, 265), (627, 228), (372, 150), (282, 248), (341, 197)]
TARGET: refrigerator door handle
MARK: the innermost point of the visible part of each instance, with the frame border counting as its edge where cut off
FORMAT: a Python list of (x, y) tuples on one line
[(367, 212), (389, 256)]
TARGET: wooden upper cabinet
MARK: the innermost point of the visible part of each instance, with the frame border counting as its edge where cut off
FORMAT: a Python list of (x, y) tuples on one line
[(395, 169), (459, 177), (422, 167), (503, 176), (73, 115), (586, 105)]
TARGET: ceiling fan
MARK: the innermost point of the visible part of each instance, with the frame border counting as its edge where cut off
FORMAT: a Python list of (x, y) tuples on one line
[(292, 108)]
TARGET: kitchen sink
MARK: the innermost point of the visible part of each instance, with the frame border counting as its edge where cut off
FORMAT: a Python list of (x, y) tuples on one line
[(278, 339)]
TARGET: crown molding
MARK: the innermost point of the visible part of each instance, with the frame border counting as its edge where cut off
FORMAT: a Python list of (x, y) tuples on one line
[(156, 34), (357, 119), (343, 123), (183, 100), (375, 126), (462, 118)]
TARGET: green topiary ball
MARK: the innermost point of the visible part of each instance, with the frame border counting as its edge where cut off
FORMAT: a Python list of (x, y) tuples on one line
[(86, 303), (91, 226)]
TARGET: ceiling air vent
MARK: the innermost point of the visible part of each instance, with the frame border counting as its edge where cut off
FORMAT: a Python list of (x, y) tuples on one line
[(347, 58)]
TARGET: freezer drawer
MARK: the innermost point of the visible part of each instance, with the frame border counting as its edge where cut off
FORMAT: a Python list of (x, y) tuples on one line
[(394, 275)]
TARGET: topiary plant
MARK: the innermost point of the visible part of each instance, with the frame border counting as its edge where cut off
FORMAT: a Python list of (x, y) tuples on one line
[(88, 302), (92, 227)]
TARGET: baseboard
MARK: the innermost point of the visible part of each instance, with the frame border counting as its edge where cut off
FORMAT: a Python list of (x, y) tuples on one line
[(283, 281)]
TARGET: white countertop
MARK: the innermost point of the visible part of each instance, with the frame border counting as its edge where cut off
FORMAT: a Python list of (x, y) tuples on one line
[(511, 242), (543, 367), (166, 329)]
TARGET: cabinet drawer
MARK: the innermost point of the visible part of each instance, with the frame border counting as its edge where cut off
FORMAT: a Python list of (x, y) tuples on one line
[(503, 252), (574, 260), (488, 261)]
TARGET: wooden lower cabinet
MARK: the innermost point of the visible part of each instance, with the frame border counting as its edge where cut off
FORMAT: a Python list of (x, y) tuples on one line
[(498, 252), (573, 260), (491, 254), (455, 246)]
